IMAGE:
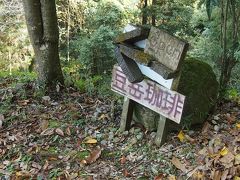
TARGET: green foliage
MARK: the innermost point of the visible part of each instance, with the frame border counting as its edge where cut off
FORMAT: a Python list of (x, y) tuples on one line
[(173, 16), (91, 49), (206, 44), (15, 50)]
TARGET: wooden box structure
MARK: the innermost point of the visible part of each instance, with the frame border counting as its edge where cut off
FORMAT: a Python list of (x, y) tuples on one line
[(160, 61)]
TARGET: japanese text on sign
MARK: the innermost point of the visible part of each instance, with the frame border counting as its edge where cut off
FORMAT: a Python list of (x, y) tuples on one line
[(150, 94)]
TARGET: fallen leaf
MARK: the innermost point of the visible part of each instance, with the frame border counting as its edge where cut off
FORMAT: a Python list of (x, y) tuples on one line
[(228, 158), (68, 131), (237, 159), (59, 132), (217, 175), (230, 119), (1, 121), (123, 159), (23, 174), (44, 125), (236, 178), (45, 165), (171, 177), (94, 155), (193, 172), (48, 132), (103, 117), (90, 140), (238, 125), (177, 163), (203, 151), (206, 128), (198, 176), (36, 165), (159, 177), (224, 174), (181, 136), (224, 151), (191, 140), (23, 102), (126, 173)]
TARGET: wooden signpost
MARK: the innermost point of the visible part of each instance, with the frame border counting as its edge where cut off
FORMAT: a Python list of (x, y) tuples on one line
[(160, 61), (150, 94)]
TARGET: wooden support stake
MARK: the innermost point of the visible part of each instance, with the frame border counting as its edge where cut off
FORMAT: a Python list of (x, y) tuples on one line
[(127, 114), (161, 131)]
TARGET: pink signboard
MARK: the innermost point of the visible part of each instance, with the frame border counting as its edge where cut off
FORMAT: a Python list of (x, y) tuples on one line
[(150, 94)]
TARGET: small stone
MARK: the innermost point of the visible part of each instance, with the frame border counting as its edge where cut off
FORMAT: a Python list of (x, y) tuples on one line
[(54, 103), (216, 128), (46, 98), (214, 122), (133, 141), (125, 133), (103, 142), (137, 131), (131, 130), (111, 135), (139, 158), (216, 117), (169, 155), (139, 136), (116, 139), (190, 133), (153, 135), (224, 126)]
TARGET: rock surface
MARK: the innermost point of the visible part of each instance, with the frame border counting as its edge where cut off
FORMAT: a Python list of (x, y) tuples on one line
[(199, 84)]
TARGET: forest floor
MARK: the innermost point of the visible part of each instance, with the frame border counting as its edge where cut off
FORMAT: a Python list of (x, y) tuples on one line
[(70, 135)]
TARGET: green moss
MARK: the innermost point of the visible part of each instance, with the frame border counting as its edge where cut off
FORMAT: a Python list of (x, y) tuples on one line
[(143, 57), (53, 124), (82, 155), (198, 83)]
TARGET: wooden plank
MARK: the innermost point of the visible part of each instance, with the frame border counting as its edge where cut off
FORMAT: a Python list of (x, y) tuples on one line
[(165, 72), (167, 49), (129, 67), (136, 54), (133, 36), (127, 114), (147, 71), (142, 43), (161, 131), (150, 94)]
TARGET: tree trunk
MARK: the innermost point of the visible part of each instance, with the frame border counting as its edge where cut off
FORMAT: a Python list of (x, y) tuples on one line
[(41, 19), (144, 12), (224, 67), (154, 2), (228, 62)]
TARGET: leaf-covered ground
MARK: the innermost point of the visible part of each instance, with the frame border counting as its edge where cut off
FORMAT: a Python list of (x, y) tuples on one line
[(70, 135)]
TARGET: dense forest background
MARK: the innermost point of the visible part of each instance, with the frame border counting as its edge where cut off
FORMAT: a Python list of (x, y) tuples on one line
[(87, 29)]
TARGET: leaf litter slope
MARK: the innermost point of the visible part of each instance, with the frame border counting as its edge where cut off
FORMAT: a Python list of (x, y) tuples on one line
[(73, 136)]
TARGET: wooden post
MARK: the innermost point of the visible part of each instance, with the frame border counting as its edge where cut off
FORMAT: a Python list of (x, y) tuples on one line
[(161, 131), (163, 123), (127, 114)]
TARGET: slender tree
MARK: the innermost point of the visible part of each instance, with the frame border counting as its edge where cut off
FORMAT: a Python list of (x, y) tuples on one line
[(154, 3), (230, 14), (42, 26), (144, 12)]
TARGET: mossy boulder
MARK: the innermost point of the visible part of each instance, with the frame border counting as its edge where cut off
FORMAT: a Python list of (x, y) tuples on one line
[(199, 84)]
